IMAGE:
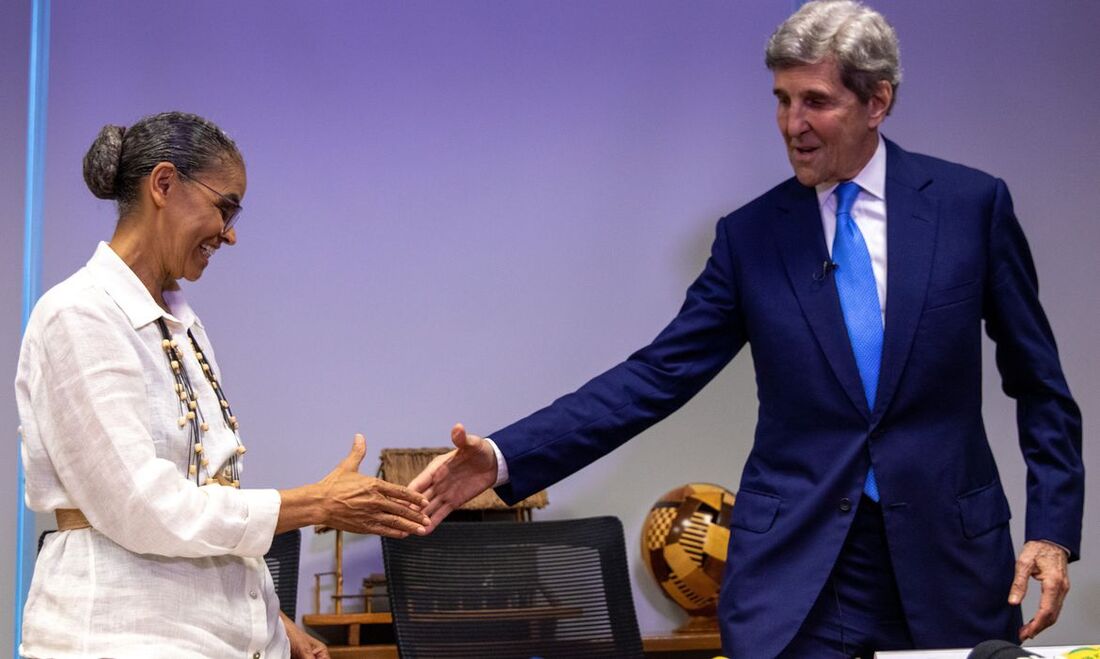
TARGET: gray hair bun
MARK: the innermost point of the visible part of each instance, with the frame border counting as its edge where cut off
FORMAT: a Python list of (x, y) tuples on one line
[(101, 163)]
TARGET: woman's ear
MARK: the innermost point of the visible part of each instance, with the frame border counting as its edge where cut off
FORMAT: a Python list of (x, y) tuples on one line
[(160, 182)]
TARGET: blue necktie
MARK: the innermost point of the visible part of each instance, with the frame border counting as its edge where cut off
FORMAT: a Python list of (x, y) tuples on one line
[(855, 284)]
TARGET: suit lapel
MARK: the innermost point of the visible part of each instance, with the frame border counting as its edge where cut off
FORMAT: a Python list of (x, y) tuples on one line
[(911, 221), (801, 242)]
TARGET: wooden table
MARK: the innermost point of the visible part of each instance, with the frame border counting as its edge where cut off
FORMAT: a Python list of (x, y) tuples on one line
[(682, 646), (363, 652), (355, 635), (370, 636), (655, 647)]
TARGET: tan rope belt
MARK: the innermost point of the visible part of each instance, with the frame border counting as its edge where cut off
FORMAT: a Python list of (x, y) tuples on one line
[(70, 519)]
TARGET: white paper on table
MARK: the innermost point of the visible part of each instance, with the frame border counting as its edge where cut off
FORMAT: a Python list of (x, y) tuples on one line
[(1048, 652)]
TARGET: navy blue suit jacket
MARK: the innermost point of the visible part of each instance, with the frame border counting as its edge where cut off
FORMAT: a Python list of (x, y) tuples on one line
[(957, 256)]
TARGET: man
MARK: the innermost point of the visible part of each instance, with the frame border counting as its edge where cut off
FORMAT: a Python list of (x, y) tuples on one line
[(870, 514)]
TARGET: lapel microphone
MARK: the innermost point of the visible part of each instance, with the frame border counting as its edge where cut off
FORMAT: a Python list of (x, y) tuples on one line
[(827, 266)]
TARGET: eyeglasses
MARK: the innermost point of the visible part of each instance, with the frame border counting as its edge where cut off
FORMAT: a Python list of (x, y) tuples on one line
[(230, 210)]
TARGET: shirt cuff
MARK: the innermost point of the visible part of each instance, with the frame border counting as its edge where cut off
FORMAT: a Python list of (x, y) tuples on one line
[(1051, 542), (502, 466), (263, 515)]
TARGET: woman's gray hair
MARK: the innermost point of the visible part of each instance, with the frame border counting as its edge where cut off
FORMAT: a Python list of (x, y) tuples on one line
[(859, 38), (120, 157)]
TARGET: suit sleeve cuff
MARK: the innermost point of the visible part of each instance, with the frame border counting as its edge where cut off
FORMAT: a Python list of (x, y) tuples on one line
[(1051, 542), (502, 466)]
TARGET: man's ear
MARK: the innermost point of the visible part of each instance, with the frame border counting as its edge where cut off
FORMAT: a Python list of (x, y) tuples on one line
[(879, 103), (160, 182)]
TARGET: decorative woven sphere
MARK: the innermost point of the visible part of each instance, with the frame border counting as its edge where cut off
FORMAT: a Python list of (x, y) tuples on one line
[(684, 541)]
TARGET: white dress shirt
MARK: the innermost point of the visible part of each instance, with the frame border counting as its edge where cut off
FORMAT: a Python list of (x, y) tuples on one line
[(168, 569), (869, 213)]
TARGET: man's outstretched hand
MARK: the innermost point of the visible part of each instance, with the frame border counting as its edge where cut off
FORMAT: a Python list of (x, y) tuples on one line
[(454, 478)]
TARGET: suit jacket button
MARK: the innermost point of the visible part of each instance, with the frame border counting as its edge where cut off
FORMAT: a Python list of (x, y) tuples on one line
[(845, 505)]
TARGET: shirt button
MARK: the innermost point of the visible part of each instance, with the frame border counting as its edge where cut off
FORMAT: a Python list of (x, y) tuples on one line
[(877, 433), (845, 505), (253, 595), (256, 655)]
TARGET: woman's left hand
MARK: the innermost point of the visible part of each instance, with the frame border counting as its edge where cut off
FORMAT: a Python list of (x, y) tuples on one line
[(302, 645)]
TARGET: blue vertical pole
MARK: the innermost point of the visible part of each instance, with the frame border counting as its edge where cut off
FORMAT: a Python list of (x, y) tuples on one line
[(37, 83)]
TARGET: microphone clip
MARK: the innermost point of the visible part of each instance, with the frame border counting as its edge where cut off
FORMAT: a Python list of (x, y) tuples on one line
[(827, 267)]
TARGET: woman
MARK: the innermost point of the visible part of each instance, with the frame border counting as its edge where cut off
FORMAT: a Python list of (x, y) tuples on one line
[(129, 438)]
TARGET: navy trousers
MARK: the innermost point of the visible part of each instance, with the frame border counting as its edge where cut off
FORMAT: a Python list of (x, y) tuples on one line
[(859, 610)]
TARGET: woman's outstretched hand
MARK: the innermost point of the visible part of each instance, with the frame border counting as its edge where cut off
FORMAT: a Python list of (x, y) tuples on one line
[(349, 501)]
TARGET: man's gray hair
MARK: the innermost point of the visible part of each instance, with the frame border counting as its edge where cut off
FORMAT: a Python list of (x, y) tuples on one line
[(863, 44)]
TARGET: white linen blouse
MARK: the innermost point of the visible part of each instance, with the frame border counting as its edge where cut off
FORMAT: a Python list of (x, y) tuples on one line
[(168, 569)]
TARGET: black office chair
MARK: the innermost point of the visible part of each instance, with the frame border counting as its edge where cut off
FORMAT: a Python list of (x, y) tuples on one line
[(282, 562), (513, 590), (42, 539)]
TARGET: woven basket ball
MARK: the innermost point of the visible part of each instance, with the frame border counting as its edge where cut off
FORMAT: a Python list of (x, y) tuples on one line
[(684, 541)]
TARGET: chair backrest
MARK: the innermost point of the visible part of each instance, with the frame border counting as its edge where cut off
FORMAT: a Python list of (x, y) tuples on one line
[(513, 589), (42, 539), (282, 562)]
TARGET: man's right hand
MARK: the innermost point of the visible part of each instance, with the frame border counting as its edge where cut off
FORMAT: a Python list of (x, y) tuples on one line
[(454, 478)]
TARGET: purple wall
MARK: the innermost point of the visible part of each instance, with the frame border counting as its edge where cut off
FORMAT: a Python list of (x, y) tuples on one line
[(458, 211)]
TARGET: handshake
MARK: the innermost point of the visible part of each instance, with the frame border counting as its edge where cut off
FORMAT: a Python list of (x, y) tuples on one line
[(350, 501)]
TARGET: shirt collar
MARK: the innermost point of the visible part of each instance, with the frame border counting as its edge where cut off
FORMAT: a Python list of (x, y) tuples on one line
[(123, 286), (871, 179)]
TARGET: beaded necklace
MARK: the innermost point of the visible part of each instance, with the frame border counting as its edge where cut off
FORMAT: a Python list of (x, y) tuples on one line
[(191, 413)]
